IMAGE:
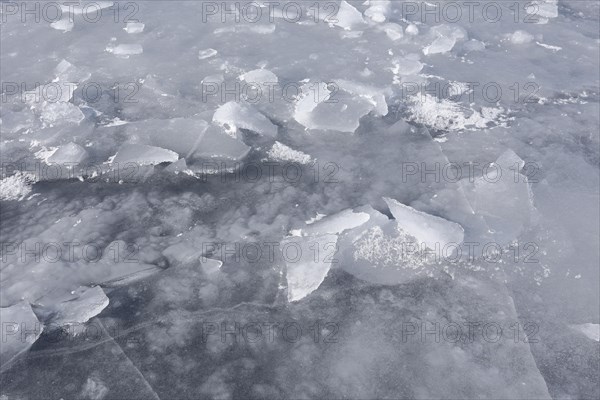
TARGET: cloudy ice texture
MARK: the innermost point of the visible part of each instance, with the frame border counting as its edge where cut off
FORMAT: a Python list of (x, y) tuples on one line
[(369, 153)]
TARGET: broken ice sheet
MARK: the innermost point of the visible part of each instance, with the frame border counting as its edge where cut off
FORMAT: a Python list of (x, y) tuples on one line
[(68, 154), (20, 329), (192, 138), (72, 308)]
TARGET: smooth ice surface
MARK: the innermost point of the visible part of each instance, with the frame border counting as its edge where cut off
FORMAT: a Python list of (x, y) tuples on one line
[(20, 329), (348, 17), (143, 154), (336, 223), (427, 229), (304, 271), (234, 115)]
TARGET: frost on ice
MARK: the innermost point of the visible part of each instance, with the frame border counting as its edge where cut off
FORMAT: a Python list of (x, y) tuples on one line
[(279, 152)]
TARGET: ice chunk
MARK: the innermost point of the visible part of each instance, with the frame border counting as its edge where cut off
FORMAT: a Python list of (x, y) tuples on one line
[(412, 30), (134, 27), (206, 53), (60, 113), (142, 154), (336, 223), (378, 10), (503, 197), (542, 10), (393, 31), (441, 44), (64, 24), (126, 49), (590, 330), (259, 76), (348, 17), (446, 37), (233, 116), (521, 37), (78, 307), (217, 143), (70, 153), (381, 252), (192, 138), (78, 8), (20, 329), (279, 152), (179, 166), (182, 135), (428, 229), (304, 271), (67, 72), (315, 110)]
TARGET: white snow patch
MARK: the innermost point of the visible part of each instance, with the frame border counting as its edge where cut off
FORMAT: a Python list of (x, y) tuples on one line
[(279, 152)]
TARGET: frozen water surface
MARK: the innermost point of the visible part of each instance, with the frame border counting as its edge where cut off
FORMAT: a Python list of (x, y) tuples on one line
[(343, 199)]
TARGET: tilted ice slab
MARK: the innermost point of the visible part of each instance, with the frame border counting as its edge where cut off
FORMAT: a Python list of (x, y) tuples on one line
[(369, 246), (308, 260), (259, 76), (445, 37), (20, 329), (348, 17), (338, 109), (191, 138), (310, 252), (142, 154), (428, 229), (234, 115), (72, 308), (390, 252), (68, 154), (503, 197)]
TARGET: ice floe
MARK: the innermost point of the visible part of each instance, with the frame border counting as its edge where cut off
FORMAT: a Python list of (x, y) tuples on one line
[(233, 116)]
